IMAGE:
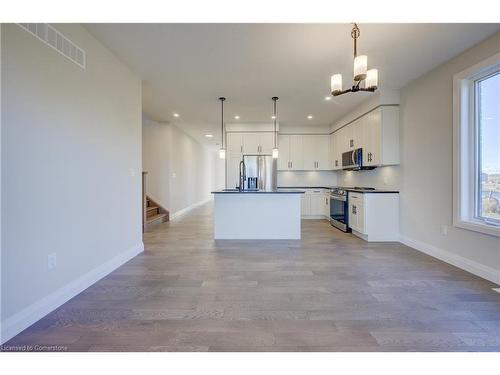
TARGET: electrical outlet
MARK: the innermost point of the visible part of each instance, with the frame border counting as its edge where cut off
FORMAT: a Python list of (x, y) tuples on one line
[(444, 229), (51, 261), (132, 172)]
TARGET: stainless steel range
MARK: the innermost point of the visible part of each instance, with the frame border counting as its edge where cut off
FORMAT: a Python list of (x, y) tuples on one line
[(338, 209)]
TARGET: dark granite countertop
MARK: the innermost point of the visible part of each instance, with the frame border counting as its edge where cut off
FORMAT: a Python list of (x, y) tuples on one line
[(353, 189), (277, 191), (376, 191)]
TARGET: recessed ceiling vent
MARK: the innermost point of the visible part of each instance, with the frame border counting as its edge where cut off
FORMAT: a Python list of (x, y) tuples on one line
[(57, 41)]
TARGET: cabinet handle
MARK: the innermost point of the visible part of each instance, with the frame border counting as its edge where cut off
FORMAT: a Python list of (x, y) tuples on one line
[(241, 148), (291, 164)]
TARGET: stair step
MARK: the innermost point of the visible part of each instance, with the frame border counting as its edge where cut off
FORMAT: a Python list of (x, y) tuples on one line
[(157, 217), (151, 208)]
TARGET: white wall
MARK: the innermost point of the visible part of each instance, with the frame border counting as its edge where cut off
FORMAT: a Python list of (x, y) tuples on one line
[(425, 174), (71, 162), (181, 171)]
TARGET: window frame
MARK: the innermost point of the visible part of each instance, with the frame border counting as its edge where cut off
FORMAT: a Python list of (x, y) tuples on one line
[(477, 145), (466, 179)]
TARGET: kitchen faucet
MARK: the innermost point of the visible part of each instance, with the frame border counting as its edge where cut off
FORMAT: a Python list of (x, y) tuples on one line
[(242, 176)]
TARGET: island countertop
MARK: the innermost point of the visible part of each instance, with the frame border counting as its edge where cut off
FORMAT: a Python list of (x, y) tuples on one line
[(277, 191)]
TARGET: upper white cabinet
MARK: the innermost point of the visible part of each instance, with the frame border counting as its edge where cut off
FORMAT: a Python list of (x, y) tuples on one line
[(250, 143), (377, 133), (304, 152), (234, 143), (291, 152), (381, 129)]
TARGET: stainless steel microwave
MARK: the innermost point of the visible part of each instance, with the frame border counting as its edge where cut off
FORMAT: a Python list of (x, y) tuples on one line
[(352, 160)]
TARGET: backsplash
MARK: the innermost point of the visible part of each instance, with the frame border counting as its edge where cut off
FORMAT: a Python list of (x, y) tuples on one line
[(381, 178), (307, 178)]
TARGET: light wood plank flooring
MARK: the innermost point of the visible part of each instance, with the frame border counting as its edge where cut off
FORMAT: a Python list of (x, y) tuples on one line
[(328, 292)]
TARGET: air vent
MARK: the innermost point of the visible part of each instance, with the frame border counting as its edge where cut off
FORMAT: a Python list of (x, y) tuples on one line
[(57, 41)]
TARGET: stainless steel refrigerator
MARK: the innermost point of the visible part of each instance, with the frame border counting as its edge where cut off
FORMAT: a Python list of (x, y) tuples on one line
[(262, 167)]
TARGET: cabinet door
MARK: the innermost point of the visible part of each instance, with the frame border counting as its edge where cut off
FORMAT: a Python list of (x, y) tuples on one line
[(373, 131), (337, 157), (232, 171), (332, 150), (296, 153), (305, 204), (284, 152), (353, 218), (251, 143), (322, 152), (309, 147), (266, 143), (326, 204), (317, 203), (234, 143)]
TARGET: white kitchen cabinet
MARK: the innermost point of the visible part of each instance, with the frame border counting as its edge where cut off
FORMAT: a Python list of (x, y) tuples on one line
[(266, 142), (322, 152), (296, 153), (326, 206), (376, 132), (381, 130), (251, 143), (309, 148), (356, 213), (305, 204), (374, 216), (304, 152), (234, 144), (257, 143), (315, 204), (284, 152), (291, 152)]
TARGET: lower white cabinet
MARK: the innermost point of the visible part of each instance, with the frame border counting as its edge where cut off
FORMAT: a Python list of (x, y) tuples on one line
[(315, 204), (374, 216)]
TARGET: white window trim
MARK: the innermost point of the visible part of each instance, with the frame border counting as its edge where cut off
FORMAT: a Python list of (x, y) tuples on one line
[(464, 147)]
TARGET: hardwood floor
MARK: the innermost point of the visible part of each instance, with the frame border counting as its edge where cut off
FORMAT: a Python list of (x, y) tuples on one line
[(328, 292)]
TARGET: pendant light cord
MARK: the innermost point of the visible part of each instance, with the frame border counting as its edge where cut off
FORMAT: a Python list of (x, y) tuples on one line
[(222, 120), (275, 98)]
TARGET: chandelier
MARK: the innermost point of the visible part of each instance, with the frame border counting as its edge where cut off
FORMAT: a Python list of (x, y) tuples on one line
[(370, 77)]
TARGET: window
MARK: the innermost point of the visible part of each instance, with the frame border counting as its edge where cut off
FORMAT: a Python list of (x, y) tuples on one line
[(476, 156), (487, 116)]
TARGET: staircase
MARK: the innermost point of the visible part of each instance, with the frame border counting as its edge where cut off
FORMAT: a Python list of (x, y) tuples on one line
[(153, 214)]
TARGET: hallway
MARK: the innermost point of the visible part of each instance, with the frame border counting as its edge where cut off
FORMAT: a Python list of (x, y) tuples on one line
[(329, 291)]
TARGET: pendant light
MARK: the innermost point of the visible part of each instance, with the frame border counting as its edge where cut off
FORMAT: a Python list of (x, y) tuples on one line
[(361, 72), (222, 151), (275, 117)]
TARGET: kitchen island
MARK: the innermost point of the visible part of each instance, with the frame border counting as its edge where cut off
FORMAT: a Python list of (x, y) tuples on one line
[(257, 214)]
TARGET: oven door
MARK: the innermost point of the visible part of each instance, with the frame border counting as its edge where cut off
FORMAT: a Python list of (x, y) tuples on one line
[(338, 212)]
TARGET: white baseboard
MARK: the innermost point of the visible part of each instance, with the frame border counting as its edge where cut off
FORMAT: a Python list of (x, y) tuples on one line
[(184, 211), (31, 314), (468, 265)]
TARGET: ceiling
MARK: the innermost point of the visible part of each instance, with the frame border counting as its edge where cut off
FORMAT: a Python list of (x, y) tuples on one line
[(186, 67)]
